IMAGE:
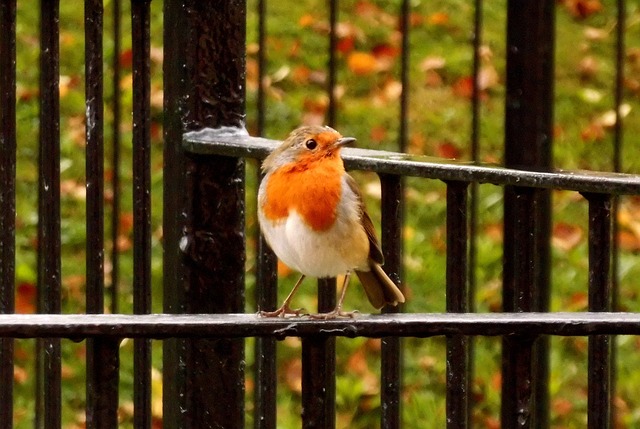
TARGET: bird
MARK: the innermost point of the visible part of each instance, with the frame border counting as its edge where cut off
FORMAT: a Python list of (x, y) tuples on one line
[(313, 217)]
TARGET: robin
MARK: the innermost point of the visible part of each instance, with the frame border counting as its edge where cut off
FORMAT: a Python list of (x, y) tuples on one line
[(312, 215)]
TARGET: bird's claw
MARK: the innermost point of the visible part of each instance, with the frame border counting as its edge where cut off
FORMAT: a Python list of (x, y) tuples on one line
[(283, 312), (334, 314)]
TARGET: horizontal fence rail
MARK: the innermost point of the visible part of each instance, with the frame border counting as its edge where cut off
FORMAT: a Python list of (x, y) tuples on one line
[(234, 142), (161, 326)]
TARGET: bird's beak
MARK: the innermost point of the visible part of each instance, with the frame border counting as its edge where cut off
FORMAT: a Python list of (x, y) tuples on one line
[(345, 141)]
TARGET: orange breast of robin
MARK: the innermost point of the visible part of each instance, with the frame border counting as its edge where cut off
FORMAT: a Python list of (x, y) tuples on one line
[(311, 187)]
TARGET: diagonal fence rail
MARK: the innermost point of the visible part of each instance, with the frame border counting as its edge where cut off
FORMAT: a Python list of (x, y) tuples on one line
[(203, 213)]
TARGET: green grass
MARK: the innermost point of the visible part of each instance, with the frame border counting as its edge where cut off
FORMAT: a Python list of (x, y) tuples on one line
[(440, 116)]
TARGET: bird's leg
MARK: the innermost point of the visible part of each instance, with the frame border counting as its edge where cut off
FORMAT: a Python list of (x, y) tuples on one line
[(284, 308), (337, 312)]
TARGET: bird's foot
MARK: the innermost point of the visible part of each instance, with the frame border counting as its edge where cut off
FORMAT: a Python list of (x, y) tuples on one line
[(334, 314), (283, 311)]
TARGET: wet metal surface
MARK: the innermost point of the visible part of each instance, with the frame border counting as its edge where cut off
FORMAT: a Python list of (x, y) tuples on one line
[(48, 369), (211, 141), (140, 42), (204, 77), (7, 197), (78, 326)]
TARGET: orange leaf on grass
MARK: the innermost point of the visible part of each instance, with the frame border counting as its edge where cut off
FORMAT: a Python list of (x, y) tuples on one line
[(578, 301), (385, 50), (306, 20), (438, 18), (25, 301), (628, 241), (581, 9), (448, 150), (283, 269), (566, 236), (378, 133), (362, 63), (126, 58), (463, 87), (345, 44), (293, 375), (20, 375)]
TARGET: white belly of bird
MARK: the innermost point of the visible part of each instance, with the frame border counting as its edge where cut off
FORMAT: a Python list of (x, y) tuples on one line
[(318, 254)]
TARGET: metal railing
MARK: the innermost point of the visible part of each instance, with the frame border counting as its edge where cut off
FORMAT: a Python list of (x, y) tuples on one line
[(203, 328)]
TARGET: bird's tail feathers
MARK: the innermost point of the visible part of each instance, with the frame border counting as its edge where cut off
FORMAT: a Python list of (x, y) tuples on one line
[(379, 288)]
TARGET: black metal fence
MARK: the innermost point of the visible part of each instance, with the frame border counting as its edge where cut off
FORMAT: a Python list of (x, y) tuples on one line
[(203, 328)]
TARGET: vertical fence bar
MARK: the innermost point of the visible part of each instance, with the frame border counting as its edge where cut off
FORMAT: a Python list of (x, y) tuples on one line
[(141, 44), (333, 65), (102, 404), (474, 189), (528, 142), (264, 400), (95, 154), (7, 197), (319, 368), (599, 405), (48, 401), (174, 272), (392, 213), (115, 158), (475, 148), (204, 210), (458, 394), (618, 137), (262, 64), (518, 377), (403, 135), (318, 353), (103, 414)]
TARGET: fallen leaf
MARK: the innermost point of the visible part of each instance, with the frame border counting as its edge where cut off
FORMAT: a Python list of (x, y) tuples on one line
[(293, 375), (432, 63), (581, 9), (628, 241), (463, 87), (448, 150), (433, 79), (608, 119), (306, 20), (392, 90), (595, 34), (438, 18), (487, 77), (124, 243), (25, 299), (357, 363), (578, 301), (417, 143), (566, 236), (588, 67), (74, 189), (126, 58), (20, 375), (592, 132), (415, 19), (378, 133), (126, 222), (345, 44), (283, 269), (361, 63), (385, 50), (300, 74)]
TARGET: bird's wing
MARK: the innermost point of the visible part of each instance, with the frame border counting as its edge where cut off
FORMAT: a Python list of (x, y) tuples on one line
[(375, 253)]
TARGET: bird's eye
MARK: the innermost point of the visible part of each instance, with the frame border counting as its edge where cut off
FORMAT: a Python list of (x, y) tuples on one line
[(311, 144)]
